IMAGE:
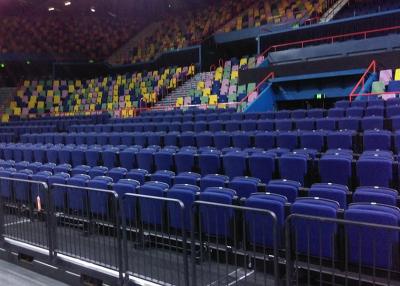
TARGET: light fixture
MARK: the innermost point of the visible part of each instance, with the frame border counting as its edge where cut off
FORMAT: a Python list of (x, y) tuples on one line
[(67, 3), (51, 9), (92, 9)]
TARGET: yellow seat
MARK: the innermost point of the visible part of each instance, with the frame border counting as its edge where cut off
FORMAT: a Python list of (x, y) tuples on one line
[(109, 106), (200, 85), (26, 84), (206, 92), (179, 101), (92, 107), (71, 88), (213, 99), (397, 74), (40, 105), (20, 93), (57, 99), (39, 88), (235, 74), (17, 111)]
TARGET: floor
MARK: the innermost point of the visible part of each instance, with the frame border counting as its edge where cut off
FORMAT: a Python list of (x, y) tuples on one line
[(11, 274)]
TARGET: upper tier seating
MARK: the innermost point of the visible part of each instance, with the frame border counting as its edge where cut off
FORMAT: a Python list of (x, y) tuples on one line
[(65, 37), (364, 7)]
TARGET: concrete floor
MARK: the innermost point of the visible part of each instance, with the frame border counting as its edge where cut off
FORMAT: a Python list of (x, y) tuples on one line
[(13, 275)]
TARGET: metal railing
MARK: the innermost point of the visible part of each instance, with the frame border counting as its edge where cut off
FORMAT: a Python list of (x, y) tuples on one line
[(164, 241), (361, 83), (332, 251)]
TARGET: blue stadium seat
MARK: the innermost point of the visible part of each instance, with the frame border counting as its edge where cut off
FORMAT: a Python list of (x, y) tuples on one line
[(137, 175), (98, 171), (241, 139), (110, 156), (293, 167), (204, 139), (62, 168), (372, 122), (235, 164), (314, 238), (215, 221), (244, 186), (312, 140), (117, 174), (185, 161), (100, 201), (336, 168), (375, 194), (181, 218), (151, 210), (92, 155), (164, 160), (262, 166), (127, 158), (213, 180), (377, 140), (286, 188), (77, 197), (287, 140), (222, 140), (59, 193), (265, 125), (340, 139), (259, 224), (334, 192), (209, 162), (164, 176), (382, 168), (188, 178), (82, 169), (372, 246), (145, 159), (306, 124)]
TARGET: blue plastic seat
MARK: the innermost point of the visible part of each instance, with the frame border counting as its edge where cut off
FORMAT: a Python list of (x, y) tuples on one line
[(77, 197), (259, 224), (312, 237), (336, 168), (204, 139), (340, 139), (187, 139), (375, 194), (209, 162), (213, 180), (288, 189), (244, 186), (151, 210), (185, 161), (241, 139), (334, 192), (293, 167), (164, 160), (164, 176), (58, 192), (117, 174), (188, 178), (98, 171), (127, 158), (372, 122), (235, 164), (100, 204), (145, 159), (262, 166), (181, 218), (382, 168), (377, 140), (372, 246), (222, 140), (216, 221), (313, 140), (92, 156), (287, 140), (137, 175)]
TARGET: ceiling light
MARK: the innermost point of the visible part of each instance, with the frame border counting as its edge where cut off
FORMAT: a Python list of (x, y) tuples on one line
[(67, 3), (51, 9), (92, 9)]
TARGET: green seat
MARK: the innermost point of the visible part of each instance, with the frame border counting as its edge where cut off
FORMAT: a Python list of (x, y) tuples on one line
[(135, 104), (232, 98), (204, 99), (378, 86), (241, 89), (250, 87)]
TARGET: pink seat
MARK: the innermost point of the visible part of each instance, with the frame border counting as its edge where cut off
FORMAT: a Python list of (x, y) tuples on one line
[(252, 96), (386, 76)]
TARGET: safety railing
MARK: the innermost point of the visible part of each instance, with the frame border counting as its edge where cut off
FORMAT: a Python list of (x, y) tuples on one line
[(155, 244), (252, 95), (25, 207), (163, 240), (327, 39), (361, 83), (233, 244), (330, 251)]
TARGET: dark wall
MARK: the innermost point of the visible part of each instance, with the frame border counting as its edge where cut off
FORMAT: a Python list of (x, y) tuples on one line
[(388, 60), (332, 28)]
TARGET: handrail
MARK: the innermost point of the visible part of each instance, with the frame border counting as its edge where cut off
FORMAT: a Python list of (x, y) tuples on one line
[(331, 38), (371, 67), (271, 75)]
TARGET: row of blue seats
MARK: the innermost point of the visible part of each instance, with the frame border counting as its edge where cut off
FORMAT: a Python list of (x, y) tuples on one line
[(335, 113), (327, 124), (18, 130), (243, 186), (368, 102), (313, 238), (302, 165), (317, 140)]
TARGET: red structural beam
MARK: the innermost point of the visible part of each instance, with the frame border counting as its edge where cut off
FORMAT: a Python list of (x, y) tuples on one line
[(371, 68)]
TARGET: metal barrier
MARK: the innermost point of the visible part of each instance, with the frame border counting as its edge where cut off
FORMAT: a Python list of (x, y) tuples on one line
[(234, 245), (332, 251), (25, 212), (87, 225), (155, 239)]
